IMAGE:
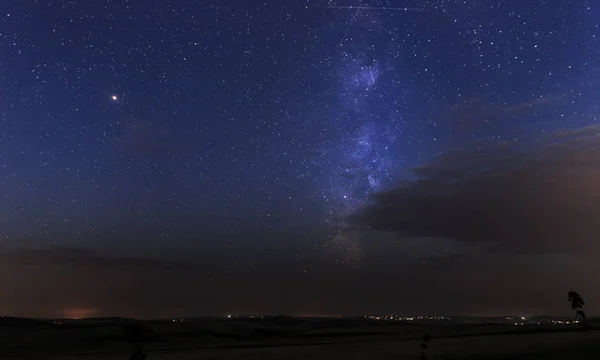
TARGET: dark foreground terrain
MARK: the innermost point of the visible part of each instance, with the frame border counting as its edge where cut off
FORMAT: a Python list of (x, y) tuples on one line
[(292, 338)]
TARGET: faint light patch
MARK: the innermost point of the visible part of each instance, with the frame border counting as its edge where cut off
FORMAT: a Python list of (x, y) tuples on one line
[(77, 313), (346, 244), (365, 78), (358, 78), (358, 167), (374, 182), (433, 247)]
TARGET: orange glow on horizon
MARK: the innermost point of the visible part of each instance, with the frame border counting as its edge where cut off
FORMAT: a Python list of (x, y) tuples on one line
[(77, 313)]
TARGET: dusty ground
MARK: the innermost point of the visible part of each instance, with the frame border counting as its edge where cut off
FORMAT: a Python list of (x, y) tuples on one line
[(218, 340), (532, 346)]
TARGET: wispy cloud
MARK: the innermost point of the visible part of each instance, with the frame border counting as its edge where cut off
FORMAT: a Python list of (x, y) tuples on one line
[(479, 112), (88, 258), (149, 140)]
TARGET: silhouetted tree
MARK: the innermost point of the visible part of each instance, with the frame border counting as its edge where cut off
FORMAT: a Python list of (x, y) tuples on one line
[(577, 304)]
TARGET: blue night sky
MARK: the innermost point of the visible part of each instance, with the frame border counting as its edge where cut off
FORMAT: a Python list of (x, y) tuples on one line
[(217, 146)]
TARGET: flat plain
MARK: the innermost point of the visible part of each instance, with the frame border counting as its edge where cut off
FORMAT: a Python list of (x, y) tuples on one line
[(292, 338)]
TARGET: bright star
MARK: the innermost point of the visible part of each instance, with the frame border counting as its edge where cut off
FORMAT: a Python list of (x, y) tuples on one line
[(115, 98)]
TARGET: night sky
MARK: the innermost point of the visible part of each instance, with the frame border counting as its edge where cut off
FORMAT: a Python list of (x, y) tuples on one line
[(179, 157)]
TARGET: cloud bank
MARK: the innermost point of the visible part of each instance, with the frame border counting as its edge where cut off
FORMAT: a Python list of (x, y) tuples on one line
[(537, 195)]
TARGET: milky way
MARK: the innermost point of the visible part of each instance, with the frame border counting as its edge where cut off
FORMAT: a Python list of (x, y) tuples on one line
[(365, 158), (247, 131)]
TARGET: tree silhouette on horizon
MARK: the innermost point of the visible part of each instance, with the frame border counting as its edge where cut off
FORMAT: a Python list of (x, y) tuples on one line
[(577, 304)]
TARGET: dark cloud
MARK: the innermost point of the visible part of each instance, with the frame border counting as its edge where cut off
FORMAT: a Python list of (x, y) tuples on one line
[(70, 285), (530, 195)]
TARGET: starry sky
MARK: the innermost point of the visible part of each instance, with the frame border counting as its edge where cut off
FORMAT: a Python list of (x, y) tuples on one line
[(180, 157)]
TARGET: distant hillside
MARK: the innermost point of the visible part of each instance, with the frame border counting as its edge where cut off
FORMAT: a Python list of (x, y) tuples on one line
[(96, 321)]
